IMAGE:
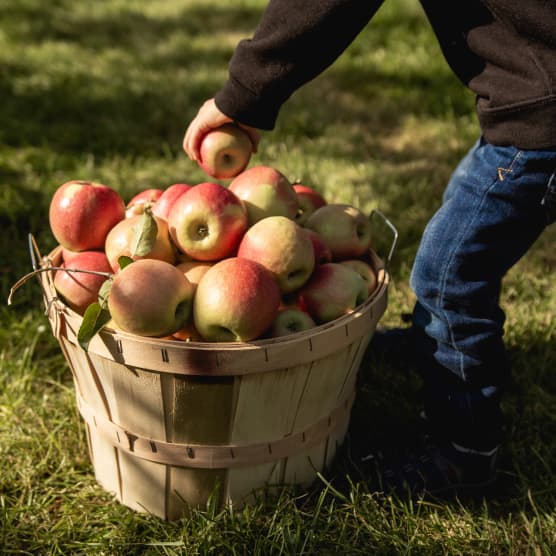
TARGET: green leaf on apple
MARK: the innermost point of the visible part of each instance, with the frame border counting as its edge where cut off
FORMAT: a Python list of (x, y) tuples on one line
[(123, 261), (104, 292), (94, 318), (144, 235)]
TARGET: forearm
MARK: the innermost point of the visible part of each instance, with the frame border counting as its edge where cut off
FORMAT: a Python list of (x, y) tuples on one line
[(293, 43)]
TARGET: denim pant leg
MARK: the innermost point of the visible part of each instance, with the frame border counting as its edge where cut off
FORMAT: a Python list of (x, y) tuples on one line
[(496, 205)]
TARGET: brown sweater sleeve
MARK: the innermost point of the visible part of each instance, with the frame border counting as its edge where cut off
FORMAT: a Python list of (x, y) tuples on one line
[(293, 43)]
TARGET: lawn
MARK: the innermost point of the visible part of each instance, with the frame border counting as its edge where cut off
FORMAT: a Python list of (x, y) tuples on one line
[(103, 91)]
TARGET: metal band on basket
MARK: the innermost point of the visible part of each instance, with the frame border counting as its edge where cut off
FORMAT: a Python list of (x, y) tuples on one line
[(214, 457)]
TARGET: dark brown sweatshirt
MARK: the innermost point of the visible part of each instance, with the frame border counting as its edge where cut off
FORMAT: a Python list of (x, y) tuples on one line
[(503, 50)]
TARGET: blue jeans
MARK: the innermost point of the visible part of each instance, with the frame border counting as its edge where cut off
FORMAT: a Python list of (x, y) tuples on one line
[(497, 203)]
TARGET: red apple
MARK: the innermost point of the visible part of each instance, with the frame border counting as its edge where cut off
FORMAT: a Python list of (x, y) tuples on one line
[(150, 298), (309, 200), (137, 203), (333, 290), (321, 250), (283, 247), (82, 213), (344, 228), (265, 192), (236, 301), (365, 270), (225, 151), (68, 255), (121, 237), (289, 321), (207, 222), (80, 289), (166, 200)]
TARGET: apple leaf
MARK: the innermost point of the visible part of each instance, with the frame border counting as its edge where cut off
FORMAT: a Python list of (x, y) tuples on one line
[(144, 235), (94, 318), (123, 261), (103, 293)]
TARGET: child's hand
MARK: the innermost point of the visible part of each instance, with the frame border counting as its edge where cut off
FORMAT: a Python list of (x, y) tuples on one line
[(210, 117)]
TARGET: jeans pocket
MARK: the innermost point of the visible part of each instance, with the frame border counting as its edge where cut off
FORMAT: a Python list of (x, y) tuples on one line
[(549, 200)]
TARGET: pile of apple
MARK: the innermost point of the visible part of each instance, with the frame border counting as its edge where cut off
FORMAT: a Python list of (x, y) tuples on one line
[(257, 258)]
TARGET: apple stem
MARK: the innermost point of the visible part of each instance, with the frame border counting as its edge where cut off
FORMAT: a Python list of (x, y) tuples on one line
[(30, 275)]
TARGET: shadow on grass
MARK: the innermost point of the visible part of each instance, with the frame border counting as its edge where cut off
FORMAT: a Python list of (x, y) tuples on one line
[(385, 418), (154, 90)]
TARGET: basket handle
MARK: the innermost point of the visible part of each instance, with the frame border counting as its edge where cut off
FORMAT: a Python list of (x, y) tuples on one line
[(34, 252), (394, 231)]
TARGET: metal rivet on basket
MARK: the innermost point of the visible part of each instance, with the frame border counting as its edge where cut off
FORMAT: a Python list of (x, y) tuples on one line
[(270, 448), (153, 446), (190, 452), (310, 344), (232, 453), (165, 356), (119, 347)]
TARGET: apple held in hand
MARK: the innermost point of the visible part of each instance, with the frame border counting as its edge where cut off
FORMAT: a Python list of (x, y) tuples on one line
[(265, 191), (236, 301), (344, 228), (150, 298), (283, 247), (364, 270), (146, 198), (333, 290), (121, 240), (225, 151), (162, 207), (80, 289), (82, 213), (207, 222), (289, 321), (309, 200)]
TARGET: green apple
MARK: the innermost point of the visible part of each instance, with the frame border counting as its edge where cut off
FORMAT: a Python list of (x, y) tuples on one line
[(289, 321), (365, 270), (265, 191), (344, 228), (283, 247), (333, 290)]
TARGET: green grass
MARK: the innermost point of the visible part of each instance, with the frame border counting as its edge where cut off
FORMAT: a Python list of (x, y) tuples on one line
[(103, 91)]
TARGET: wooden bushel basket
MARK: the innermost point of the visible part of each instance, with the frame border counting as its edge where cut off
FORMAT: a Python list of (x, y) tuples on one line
[(171, 423)]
